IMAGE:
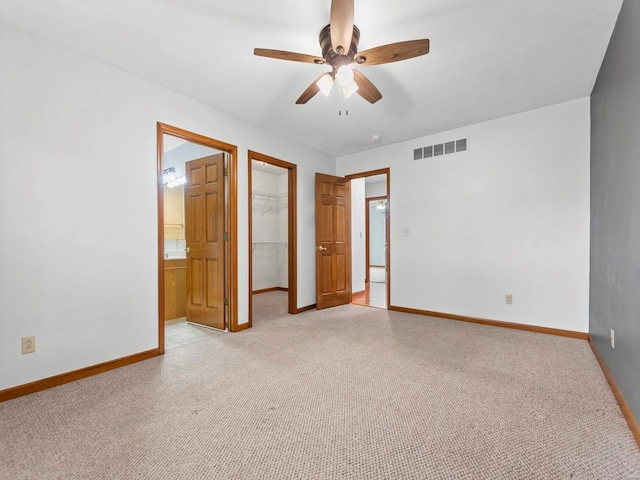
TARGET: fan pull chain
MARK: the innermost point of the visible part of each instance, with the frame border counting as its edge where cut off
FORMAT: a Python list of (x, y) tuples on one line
[(346, 110)]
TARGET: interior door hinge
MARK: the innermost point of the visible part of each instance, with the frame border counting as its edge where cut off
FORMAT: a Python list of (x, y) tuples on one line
[(226, 236), (226, 301), (226, 172)]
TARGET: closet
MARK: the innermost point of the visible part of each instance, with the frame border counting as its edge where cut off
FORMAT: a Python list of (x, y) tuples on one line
[(269, 248)]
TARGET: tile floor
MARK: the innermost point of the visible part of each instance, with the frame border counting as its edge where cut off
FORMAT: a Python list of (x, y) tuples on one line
[(178, 332)]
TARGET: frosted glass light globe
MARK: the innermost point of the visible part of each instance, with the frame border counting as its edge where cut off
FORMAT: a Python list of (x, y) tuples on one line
[(325, 83), (344, 76)]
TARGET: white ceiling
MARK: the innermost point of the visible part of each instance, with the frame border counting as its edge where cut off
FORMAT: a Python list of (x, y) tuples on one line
[(169, 142), (268, 168), (489, 58), (375, 179)]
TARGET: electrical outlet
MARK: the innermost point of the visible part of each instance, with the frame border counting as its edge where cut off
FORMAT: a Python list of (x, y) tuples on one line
[(28, 345), (405, 232), (508, 299), (613, 339)]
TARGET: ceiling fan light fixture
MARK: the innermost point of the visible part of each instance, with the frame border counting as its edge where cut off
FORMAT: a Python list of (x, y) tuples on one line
[(350, 89), (344, 76), (339, 45), (325, 84)]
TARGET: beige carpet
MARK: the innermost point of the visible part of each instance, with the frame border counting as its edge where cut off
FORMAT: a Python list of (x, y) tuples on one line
[(350, 392)]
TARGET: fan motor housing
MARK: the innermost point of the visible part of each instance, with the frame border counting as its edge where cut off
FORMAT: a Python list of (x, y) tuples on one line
[(332, 58)]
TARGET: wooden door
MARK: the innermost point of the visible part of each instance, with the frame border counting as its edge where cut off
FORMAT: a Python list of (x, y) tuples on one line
[(204, 226), (333, 241)]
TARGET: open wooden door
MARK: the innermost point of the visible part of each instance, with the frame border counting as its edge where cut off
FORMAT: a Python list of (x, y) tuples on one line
[(333, 241), (204, 225)]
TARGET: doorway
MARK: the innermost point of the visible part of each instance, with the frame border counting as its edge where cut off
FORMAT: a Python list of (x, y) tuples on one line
[(371, 239), (376, 251), (272, 236), (197, 235)]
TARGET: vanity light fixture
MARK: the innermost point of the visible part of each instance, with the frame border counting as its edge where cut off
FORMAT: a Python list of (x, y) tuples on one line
[(170, 179)]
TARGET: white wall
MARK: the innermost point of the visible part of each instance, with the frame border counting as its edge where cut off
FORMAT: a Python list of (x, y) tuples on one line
[(376, 189), (283, 230), (358, 237), (511, 215), (78, 250)]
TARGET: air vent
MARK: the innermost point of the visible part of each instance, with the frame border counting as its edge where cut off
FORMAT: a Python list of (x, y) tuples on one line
[(439, 149), (449, 147)]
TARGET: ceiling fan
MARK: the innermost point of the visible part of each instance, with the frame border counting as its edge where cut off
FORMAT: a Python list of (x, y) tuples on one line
[(339, 44)]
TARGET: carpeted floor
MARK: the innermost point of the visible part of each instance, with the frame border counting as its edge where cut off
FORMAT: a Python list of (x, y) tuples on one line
[(349, 392)]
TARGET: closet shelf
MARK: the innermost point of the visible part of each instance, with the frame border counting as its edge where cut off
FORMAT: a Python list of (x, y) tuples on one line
[(269, 201), (270, 257), (269, 244), (258, 193)]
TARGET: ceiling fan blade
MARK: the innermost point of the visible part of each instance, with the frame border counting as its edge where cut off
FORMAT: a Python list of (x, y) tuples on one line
[(366, 88), (310, 92), (284, 55), (394, 52), (341, 25)]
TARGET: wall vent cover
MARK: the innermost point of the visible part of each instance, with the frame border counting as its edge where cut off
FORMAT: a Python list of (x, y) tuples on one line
[(449, 147), (446, 148)]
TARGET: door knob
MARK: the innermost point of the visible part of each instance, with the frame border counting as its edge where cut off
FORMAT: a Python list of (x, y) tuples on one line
[(187, 249), (321, 248)]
